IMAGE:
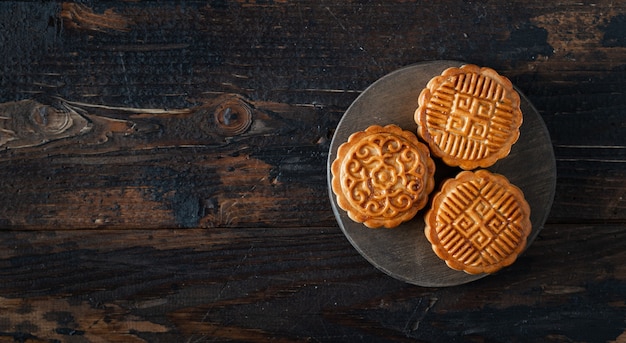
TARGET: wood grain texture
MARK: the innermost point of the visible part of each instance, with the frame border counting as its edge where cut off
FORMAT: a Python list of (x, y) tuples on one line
[(159, 215), (297, 284)]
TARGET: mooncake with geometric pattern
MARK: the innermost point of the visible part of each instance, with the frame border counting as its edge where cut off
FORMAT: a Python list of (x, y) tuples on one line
[(469, 116), (382, 176), (478, 222)]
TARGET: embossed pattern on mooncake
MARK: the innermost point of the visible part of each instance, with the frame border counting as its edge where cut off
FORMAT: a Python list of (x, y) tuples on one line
[(382, 176), (469, 116), (478, 222)]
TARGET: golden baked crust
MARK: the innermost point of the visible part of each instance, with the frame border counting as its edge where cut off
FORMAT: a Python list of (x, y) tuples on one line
[(469, 116), (382, 176), (478, 222)]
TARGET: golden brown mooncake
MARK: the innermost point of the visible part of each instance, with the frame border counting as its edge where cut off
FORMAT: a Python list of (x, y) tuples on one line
[(382, 176), (478, 222), (469, 116)]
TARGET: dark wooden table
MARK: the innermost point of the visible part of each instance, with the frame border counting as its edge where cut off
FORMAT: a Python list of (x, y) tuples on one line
[(163, 170)]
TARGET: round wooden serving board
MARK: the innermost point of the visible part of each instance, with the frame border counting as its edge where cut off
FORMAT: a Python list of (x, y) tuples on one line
[(403, 252)]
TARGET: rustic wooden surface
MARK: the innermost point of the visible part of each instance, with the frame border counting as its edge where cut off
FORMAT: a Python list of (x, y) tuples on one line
[(163, 170)]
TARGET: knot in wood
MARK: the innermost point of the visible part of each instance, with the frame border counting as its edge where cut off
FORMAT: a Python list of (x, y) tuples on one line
[(233, 117), (50, 120)]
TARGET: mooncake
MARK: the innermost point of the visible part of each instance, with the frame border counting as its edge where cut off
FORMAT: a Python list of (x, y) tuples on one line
[(469, 116), (382, 176), (478, 222)]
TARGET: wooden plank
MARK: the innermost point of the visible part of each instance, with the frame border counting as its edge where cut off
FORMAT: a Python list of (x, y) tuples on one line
[(151, 174), (134, 168), (296, 284)]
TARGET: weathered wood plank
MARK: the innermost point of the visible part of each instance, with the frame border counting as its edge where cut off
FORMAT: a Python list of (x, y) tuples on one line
[(177, 168), (296, 284)]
